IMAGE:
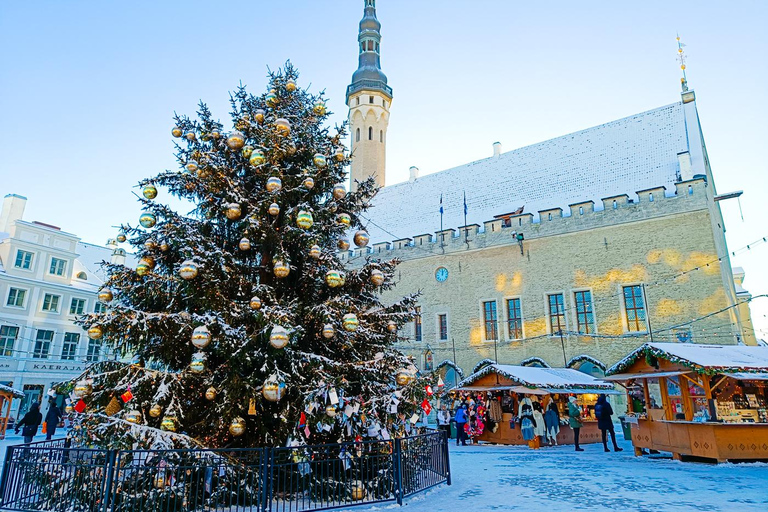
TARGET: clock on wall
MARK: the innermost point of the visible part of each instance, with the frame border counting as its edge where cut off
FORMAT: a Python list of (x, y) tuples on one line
[(441, 274)]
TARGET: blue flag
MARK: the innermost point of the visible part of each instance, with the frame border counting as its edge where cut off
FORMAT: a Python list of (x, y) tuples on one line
[(465, 203), (441, 204)]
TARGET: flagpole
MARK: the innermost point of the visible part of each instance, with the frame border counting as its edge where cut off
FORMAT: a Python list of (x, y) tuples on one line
[(466, 230)]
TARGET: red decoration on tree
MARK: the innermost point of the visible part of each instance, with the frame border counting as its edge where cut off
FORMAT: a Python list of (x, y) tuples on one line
[(127, 396), (429, 390), (440, 382), (426, 407), (80, 406), (302, 420)]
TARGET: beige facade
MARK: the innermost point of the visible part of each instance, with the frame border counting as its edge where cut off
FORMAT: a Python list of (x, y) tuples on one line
[(368, 121)]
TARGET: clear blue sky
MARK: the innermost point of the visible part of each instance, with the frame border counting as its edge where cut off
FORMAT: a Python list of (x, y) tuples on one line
[(88, 89)]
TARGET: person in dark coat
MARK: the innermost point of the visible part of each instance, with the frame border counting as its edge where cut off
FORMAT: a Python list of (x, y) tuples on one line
[(52, 419), (31, 421), (574, 421), (603, 413)]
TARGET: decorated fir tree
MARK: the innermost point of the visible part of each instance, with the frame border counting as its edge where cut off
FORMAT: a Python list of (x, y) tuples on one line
[(244, 325)]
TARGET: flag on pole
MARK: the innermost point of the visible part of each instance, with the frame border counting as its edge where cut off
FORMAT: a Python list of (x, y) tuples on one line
[(465, 203), (441, 204)]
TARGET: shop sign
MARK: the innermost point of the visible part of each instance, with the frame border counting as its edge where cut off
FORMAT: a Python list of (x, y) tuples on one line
[(58, 367)]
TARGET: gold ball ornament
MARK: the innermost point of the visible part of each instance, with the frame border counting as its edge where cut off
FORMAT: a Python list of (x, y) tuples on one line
[(176, 132), (255, 303), (304, 219), (257, 157), (201, 336), (147, 220), (339, 155), (168, 423), (95, 332), (106, 295), (244, 244), (190, 135), (330, 411), (290, 85), (149, 261), (343, 244), (315, 252), (188, 270), (377, 277), (358, 490), (233, 211), (133, 416), (339, 192), (391, 327), (258, 116), (237, 427), (319, 160), (274, 184), (319, 108), (308, 183), (149, 192), (215, 133), (280, 268), (361, 238), (350, 322), (403, 378), (273, 390), (142, 268), (328, 331), (155, 411), (192, 166), (121, 237), (344, 218), (235, 139), (82, 388), (278, 338), (247, 152), (198, 362), (210, 393), (271, 99), (69, 409), (164, 247), (283, 126), (274, 209), (150, 244), (334, 278)]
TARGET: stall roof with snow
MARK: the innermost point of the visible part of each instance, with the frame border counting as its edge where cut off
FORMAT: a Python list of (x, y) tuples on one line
[(11, 391), (530, 378)]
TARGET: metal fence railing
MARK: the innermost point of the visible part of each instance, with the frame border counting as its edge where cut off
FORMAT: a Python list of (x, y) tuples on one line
[(51, 476)]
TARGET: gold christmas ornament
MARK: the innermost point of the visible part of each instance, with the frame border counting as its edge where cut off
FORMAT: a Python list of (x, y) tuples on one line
[(274, 209), (149, 192), (95, 332), (280, 268), (274, 184), (377, 277), (190, 135), (350, 322), (271, 98), (328, 331), (121, 237), (343, 244), (339, 192), (290, 85), (273, 390), (192, 166), (339, 154), (244, 244), (361, 238), (358, 490), (259, 116), (257, 157), (403, 378), (168, 423), (106, 295), (82, 388), (142, 268), (233, 211), (319, 160), (235, 139), (201, 337), (278, 338), (319, 108), (149, 261), (315, 252), (309, 183), (237, 427), (282, 126), (147, 220), (255, 303), (392, 327), (344, 218), (176, 132), (155, 411), (215, 133), (247, 152), (330, 411), (198, 362), (210, 393), (69, 409), (164, 247), (304, 219), (133, 416), (334, 278), (188, 270), (150, 244)]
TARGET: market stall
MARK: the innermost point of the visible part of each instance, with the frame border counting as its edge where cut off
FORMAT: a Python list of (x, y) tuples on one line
[(697, 400), (513, 386), (7, 394)]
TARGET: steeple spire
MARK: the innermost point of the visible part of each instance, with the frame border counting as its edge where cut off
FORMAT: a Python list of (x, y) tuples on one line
[(369, 75)]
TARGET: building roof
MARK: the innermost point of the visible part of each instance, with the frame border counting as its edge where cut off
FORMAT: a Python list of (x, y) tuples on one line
[(620, 157), (716, 358), (544, 378)]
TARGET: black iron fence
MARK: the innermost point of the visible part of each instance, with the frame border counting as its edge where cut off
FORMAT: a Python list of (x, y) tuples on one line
[(51, 476)]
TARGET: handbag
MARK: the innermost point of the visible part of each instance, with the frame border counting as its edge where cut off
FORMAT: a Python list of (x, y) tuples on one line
[(45, 428)]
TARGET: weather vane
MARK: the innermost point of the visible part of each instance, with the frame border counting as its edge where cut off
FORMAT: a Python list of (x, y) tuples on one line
[(681, 58)]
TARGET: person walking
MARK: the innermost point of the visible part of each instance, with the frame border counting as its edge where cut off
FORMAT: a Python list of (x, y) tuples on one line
[(603, 413), (461, 421), (444, 420), (52, 418), (574, 420), (31, 421)]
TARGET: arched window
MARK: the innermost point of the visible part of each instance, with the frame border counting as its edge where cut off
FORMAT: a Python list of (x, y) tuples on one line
[(690, 190), (650, 197), (581, 210), (615, 204), (357, 135), (370, 133), (370, 100), (82, 275), (381, 135)]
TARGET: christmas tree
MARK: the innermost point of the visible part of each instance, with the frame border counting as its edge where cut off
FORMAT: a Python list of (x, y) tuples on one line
[(244, 326)]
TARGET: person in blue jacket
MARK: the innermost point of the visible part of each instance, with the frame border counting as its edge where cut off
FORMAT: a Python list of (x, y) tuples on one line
[(461, 420)]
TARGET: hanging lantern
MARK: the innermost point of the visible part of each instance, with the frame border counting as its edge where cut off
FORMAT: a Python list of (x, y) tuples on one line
[(343, 219), (147, 220), (235, 139), (271, 98), (257, 157), (133, 416), (334, 278), (168, 423), (304, 219), (315, 252), (339, 154), (350, 322), (361, 238), (308, 182), (149, 192), (339, 192), (330, 411), (290, 85), (282, 126), (192, 166), (176, 132), (377, 277), (215, 133), (190, 135), (274, 185), (255, 303), (280, 268), (274, 209), (244, 245), (210, 393), (319, 108), (237, 427), (198, 362), (188, 270), (259, 116), (201, 337), (121, 237), (273, 390), (343, 244), (155, 411), (95, 332), (328, 331), (319, 160), (82, 388), (391, 327), (278, 338), (106, 295)]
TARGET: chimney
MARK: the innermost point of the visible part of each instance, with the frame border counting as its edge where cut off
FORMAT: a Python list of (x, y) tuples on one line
[(118, 257), (13, 210), (414, 173), (497, 149), (684, 160)]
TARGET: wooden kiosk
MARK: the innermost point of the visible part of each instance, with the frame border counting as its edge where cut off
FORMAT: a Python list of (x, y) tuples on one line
[(7, 394), (513, 383), (696, 400)]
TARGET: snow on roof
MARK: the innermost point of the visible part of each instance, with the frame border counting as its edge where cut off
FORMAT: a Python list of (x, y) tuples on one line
[(89, 260), (620, 157), (724, 358), (535, 377), (15, 392)]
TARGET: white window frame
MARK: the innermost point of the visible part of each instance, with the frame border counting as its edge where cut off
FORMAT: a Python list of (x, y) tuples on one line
[(58, 304), (64, 344), (506, 318), (63, 271), (566, 316), (576, 312), (50, 346), (99, 307), (31, 260), (447, 326), (623, 304), (89, 357), (23, 302), (482, 320), (15, 339), (85, 305)]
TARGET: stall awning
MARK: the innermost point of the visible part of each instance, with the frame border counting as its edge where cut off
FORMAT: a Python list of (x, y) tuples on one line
[(747, 376), (583, 391), (630, 376)]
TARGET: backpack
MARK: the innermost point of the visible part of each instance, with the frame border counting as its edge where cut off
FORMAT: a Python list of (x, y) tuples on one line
[(598, 411)]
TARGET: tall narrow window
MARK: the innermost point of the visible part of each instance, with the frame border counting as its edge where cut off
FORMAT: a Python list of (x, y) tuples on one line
[(615, 204), (634, 304), (23, 260), (556, 313), (585, 318), (370, 100), (489, 320), (370, 133), (51, 303), (94, 350), (442, 326), (42, 344), (8, 335), (514, 319), (69, 349), (417, 323), (357, 134), (77, 307), (381, 135), (16, 297), (99, 307), (58, 267), (357, 100)]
